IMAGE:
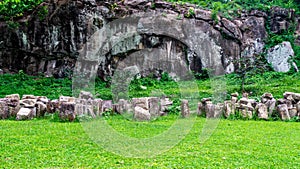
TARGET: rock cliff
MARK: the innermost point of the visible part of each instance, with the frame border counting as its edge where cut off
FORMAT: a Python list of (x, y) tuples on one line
[(51, 44)]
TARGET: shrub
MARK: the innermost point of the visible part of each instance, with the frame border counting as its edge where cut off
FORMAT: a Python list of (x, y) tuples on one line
[(10, 9)]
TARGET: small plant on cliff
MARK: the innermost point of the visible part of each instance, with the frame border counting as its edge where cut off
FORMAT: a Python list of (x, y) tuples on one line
[(249, 67), (10, 9), (43, 12), (190, 13)]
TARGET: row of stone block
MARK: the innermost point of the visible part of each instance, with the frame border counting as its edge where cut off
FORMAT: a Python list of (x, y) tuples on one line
[(143, 108), (30, 106), (285, 108), (26, 108)]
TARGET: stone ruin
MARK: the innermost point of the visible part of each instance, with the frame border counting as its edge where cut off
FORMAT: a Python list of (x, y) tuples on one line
[(147, 108), (69, 108), (286, 108)]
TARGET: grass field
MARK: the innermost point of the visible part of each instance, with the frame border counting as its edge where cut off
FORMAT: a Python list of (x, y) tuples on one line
[(274, 82), (47, 143)]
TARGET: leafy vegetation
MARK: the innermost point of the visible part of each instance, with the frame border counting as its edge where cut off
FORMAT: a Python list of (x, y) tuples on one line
[(10, 9), (45, 143), (232, 6)]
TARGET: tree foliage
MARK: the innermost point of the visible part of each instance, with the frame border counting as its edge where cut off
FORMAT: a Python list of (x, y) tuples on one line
[(10, 9)]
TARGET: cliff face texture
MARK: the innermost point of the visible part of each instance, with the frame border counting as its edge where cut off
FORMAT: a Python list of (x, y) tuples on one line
[(51, 43)]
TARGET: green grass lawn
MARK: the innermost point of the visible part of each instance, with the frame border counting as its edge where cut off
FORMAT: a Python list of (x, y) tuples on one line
[(46, 143), (274, 82)]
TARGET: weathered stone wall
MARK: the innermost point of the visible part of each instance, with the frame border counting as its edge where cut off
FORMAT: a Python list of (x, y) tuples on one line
[(49, 44)]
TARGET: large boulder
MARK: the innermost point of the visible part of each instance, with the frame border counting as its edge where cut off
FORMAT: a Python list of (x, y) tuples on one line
[(279, 56)]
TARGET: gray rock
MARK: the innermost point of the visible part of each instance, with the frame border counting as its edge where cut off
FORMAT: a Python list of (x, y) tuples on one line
[(80, 109), (204, 100), (165, 103), (41, 109), (293, 112), (97, 106), (271, 106), (123, 106), (234, 99), (262, 111), (200, 109), (28, 97), (86, 95), (267, 96), (66, 99), (229, 108), (106, 105), (141, 102), (26, 113), (135, 2), (210, 110), (28, 103), (203, 14), (43, 99), (53, 106), (283, 112), (154, 106), (15, 97), (67, 111), (219, 109), (4, 110), (298, 108), (185, 110), (141, 114), (246, 113), (279, 56)]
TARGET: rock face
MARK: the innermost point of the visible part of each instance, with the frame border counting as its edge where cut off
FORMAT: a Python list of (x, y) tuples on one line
[(51, 45), (279, 57)]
